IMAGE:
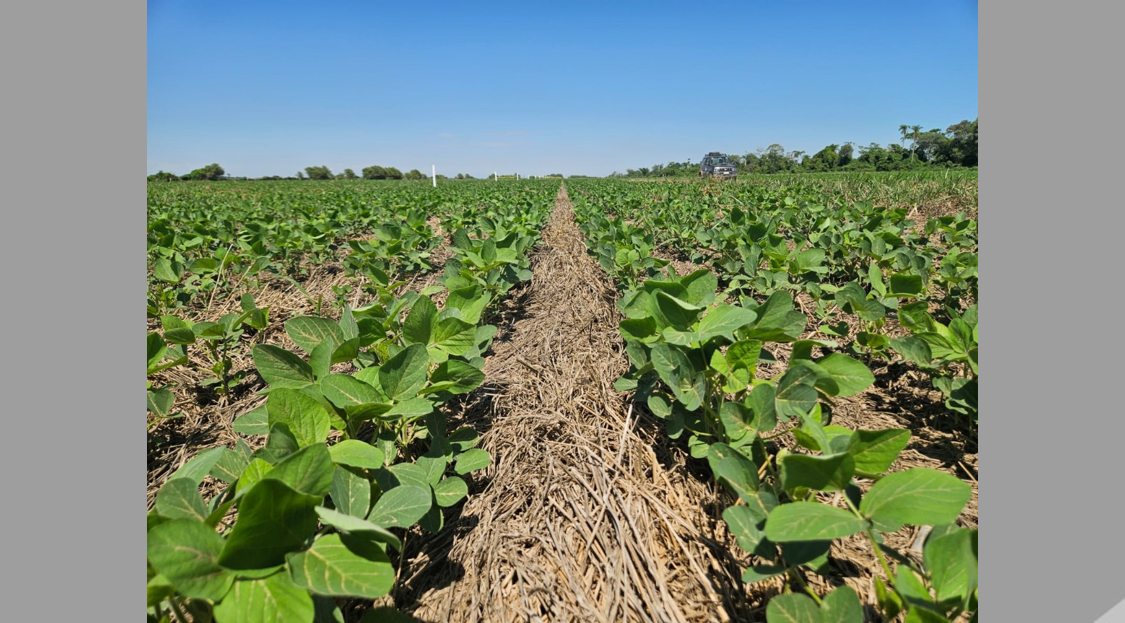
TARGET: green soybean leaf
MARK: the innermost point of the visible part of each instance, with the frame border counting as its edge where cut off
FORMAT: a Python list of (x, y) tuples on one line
[(273, 520), (345, 391), (952, 565), (723, 320), (738, 423), (841, 606), (357, 526), (911, 587), (254, 472), (279, 444), (463, 439), (160, 402), (763, 401), (253, 422), (308, 332), (186, 552), (850, 375), (811, 521), (450, 491), (471, 460), (274, 599), (199, 466), (732, 469), (355, 453), (281, 368), (820, 473), (165, 269), (159, 589), (320, 359), (179, 499), (903, 284), (471, 301), (923, 615), (792, 608), (351, 494), (308, 470), (743, 524), (794, 396), (889, 601), (916, 496), (673, 312), (913, 349), (419, 323), (402, 474), (405, 373), (177, 331), (454, 336), (343, 568), (401, 507), (455, 377), (303, 415), (875, 450), (410, 408)]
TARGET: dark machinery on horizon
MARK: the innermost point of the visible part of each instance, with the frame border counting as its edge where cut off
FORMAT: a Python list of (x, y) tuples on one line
[(715, 164)]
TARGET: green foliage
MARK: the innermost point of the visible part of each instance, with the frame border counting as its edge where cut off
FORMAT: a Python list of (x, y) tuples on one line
[(319, 173), (698, 344), (210, 172), (349, 462)]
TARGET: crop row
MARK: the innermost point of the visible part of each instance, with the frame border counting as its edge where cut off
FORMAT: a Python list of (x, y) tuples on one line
[(697, 346), (351, 449)]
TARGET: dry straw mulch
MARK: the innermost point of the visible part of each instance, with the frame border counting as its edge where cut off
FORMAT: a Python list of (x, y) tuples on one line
[(580, 519)]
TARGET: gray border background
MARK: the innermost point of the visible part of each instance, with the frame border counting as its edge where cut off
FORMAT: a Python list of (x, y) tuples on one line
[(1050, 194), (74, 120), (73, 232)]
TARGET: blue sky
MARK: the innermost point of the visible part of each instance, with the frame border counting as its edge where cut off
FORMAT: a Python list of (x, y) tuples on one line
[(571, 87)]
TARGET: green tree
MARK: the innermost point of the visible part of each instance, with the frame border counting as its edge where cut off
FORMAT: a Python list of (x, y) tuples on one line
[(393, 173), (915, 130), (414, 174), (374, 172), (349, 175), (904, 129), (210, 172), (163, 176), (319, 173)]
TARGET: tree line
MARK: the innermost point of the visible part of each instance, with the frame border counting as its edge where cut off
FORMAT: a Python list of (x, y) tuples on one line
[(955, 147), (213, 172)]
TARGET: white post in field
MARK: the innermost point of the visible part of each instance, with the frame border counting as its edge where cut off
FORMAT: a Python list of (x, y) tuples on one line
[(496, 176), (434, 174)]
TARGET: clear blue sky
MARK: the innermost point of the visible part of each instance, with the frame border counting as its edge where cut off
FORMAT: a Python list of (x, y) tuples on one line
[(576, 87)]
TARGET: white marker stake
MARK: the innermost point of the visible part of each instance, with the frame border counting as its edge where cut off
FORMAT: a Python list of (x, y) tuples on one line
[(435, 174)]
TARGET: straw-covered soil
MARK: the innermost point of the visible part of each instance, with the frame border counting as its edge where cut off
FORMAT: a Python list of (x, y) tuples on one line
[(586, 515)]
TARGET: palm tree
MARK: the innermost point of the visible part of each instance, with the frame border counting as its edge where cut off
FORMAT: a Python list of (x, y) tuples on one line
[(903, 129), (914, 131)]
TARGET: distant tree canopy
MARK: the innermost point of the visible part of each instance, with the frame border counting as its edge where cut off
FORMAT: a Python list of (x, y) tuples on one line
[(348, 174), (414, 174), (954, 147), (163, 176), (376, 172), (209, 172), (319, 173)]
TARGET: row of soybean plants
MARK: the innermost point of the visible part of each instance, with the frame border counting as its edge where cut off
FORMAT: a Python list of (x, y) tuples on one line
[(354, 456), (211, 242), (854, 261), (695, 361)]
